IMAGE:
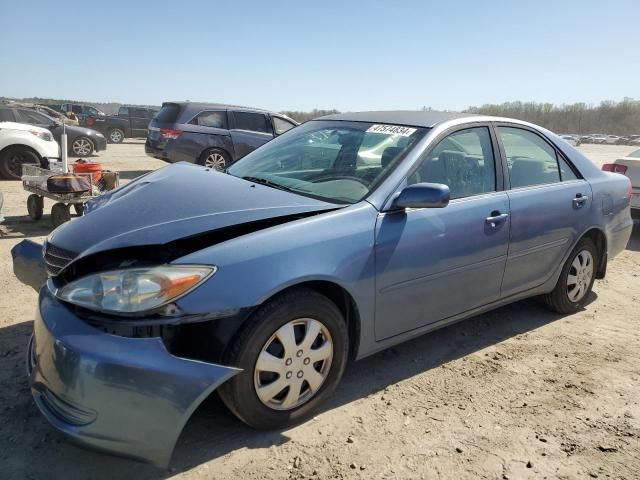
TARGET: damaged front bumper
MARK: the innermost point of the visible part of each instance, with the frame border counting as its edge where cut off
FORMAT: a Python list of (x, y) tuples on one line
[(127, 396)]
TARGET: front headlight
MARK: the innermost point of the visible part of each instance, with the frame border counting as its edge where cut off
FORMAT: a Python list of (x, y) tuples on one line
[(133, 290), (43, 135)]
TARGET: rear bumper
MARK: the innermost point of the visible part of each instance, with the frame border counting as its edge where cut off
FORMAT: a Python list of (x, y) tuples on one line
[(127, 396), (158, 153)]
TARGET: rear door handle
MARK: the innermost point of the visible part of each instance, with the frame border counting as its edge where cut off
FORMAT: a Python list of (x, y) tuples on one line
[(496, 218), (580, 200)]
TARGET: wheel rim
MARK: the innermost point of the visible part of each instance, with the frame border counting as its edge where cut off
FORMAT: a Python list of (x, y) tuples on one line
[(16, 161), (293, 364), (116, 136), (215, 161), (580, 275), (82, 146)]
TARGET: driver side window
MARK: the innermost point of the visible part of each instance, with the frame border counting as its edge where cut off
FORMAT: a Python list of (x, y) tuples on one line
[(464, 161)]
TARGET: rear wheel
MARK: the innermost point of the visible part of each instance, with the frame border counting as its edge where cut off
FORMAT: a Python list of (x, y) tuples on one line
[(12, 159), (215, 158), (576, 279), (116, 135), (293, 352)]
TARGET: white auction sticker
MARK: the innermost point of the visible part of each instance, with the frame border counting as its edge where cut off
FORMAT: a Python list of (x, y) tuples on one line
[(391, 130)]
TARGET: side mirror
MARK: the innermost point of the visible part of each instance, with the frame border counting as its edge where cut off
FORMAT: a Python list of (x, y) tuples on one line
[(422, 195)]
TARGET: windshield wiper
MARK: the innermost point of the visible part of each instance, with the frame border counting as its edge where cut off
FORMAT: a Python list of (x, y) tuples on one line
[(269, 183)]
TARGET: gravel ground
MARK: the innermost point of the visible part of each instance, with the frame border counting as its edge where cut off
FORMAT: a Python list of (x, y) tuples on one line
[(515, 393)]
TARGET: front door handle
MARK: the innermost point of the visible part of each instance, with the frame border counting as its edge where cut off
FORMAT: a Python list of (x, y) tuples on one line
[(496, 218), (580, 200)]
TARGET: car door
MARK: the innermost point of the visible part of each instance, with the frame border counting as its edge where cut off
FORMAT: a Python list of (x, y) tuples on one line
[(550, 206), (249, 130), (432, 264)]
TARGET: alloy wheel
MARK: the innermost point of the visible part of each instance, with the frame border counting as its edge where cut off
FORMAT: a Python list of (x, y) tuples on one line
[(580, 275), (115, 136), (293, 364), (82, 146), (216, 161)]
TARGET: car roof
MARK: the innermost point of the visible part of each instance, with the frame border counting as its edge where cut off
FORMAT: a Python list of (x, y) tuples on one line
[(400, 117), (221, 106)]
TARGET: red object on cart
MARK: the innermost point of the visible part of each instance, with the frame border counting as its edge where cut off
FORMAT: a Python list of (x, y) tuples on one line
[(94, 168)]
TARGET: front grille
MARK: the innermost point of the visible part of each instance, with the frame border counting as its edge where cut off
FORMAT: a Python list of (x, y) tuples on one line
[(57, 258)]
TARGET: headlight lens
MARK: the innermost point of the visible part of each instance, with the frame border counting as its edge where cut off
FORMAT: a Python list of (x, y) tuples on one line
[(133, 290), (43, 135)]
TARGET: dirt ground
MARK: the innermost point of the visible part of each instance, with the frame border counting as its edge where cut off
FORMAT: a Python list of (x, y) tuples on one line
[(515, 393)]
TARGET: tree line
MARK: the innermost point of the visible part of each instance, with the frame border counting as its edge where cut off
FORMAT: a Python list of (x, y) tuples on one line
[(613, 118)]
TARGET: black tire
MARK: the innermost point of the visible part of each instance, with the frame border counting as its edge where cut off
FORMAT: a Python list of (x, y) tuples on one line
[(12, 159), (81, 147), (558, 300), (116, 135), (79, 208), (35, 206), (215, 158), (59, 214), (239, 393)]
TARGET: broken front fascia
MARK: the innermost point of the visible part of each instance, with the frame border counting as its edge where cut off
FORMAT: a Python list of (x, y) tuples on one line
[(122, 395)]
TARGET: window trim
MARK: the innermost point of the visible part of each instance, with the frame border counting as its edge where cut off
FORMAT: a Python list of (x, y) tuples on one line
[(221, 110), (552, 145)]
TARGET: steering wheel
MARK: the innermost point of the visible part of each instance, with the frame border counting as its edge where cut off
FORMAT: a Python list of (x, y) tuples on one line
[(328, 178)]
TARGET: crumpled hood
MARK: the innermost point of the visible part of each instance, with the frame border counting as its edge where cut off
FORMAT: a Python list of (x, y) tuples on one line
[(175, 202)]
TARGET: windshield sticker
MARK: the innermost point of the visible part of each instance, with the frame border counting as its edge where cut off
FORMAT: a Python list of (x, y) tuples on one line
[(391, 130)]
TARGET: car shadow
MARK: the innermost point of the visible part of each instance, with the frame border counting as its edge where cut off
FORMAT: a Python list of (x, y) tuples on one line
[(22, 226), (213, 431)]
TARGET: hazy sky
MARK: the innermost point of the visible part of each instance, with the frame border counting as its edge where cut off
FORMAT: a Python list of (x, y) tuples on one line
[(349, 55)]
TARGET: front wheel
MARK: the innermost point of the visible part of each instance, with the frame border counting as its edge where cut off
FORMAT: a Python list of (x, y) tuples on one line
[(81, 147), (293, 352), (12, 159), (576, 279)]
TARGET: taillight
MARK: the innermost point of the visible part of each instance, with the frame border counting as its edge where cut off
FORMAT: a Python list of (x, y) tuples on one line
[(170, 133), (90, 121), (614, 167)]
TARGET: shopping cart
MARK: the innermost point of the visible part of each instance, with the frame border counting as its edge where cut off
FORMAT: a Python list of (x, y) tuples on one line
[(34, 180)]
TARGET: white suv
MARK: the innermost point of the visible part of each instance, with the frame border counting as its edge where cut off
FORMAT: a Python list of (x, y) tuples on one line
[(21, 143)]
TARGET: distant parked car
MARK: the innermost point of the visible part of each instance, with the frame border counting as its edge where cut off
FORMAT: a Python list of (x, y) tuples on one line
[(81, 111), (211, 134), (131, 122), (598, 138), (572, 140), (626, 140), (629, 166), (611, 139), (20, 144), (81, 141)]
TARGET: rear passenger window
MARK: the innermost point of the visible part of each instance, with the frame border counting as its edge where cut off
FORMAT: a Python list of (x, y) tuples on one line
[(211, 119), (281, 125), (255, 122), (464, 161), (531, 160)]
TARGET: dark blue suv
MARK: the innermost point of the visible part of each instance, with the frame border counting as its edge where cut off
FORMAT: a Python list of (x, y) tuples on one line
[(211, 134)]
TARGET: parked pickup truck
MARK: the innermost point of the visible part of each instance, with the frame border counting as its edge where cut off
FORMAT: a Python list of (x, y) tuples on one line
[(130, 121)]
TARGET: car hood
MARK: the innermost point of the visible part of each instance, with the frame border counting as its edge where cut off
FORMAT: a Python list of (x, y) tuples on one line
[(76, 130), (21, 126), (177, 201)]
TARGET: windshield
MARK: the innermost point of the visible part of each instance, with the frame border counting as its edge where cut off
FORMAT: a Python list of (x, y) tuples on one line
[(336, 161)]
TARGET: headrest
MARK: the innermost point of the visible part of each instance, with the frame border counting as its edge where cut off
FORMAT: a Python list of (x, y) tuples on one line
[(389, 154)]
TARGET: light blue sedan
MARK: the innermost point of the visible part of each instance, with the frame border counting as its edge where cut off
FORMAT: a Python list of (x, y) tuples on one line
[(344, 236)]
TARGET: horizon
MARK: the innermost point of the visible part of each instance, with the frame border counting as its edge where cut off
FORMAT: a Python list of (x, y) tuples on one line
[(297, 57)]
